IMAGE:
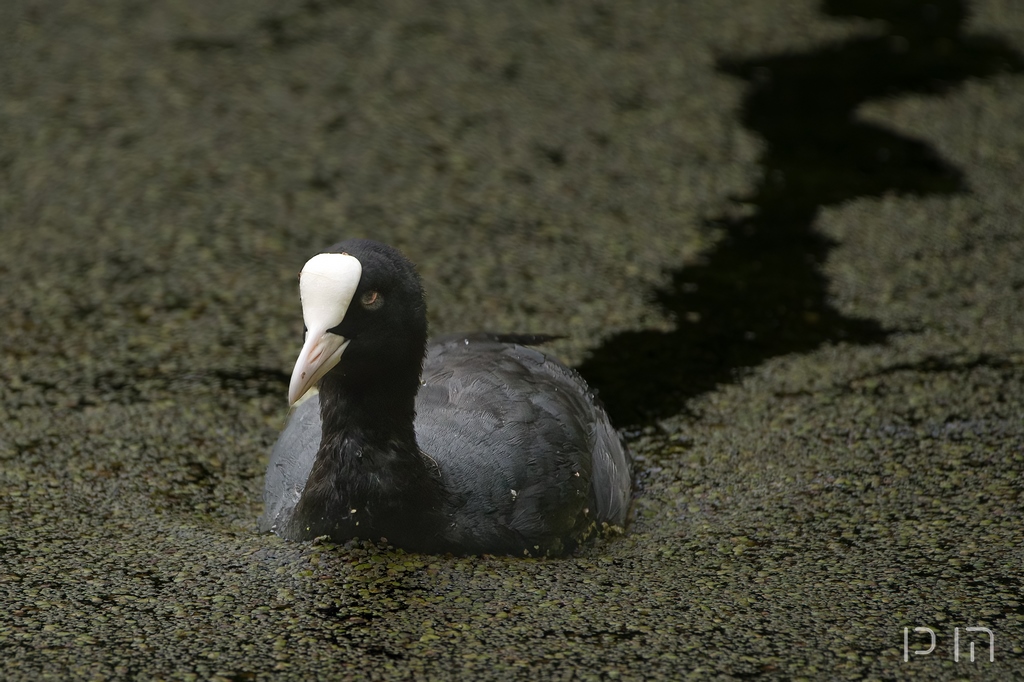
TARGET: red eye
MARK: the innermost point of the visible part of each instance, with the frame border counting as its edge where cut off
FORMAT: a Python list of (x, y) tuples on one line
[(371, 300)]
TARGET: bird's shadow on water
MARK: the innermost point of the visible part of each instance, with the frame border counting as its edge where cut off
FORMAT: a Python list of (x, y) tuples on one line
[(760, 292)]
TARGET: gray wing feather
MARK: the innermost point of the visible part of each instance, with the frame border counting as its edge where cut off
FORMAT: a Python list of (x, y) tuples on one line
[(290, 463), (482, 404)]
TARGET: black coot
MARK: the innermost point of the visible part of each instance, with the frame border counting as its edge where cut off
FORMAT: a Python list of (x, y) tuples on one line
[(471, 444)]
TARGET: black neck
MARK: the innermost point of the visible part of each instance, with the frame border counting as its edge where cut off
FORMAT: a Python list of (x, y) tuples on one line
[(368, 461)]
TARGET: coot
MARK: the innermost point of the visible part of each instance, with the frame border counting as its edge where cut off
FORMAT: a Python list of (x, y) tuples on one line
[(475, 443)]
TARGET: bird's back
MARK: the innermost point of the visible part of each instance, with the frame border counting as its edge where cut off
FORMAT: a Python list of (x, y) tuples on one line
[(524, 448)]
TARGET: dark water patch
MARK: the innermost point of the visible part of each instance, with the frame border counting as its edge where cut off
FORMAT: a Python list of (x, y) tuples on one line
[(254, 381), (279, 30), (131, 385), (760, 292), (943, 365), (204, 44)]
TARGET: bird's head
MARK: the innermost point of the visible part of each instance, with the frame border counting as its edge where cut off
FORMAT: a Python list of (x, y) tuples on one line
[(362, 299)]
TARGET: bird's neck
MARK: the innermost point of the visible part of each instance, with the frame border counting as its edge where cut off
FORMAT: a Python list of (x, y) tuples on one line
[(375, 414), (369, 478)]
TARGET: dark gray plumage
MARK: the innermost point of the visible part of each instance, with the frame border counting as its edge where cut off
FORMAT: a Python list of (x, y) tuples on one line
[(509, 451)]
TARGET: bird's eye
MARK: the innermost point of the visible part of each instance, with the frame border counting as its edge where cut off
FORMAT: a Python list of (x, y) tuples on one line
[(371, 300)]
